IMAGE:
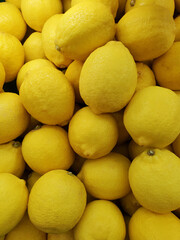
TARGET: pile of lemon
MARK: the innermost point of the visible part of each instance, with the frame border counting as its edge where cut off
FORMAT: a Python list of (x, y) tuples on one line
[(90, 120)]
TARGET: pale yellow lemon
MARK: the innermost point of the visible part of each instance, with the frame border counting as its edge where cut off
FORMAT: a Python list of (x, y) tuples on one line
[(11, 159), (47, 148), (144, 224), (147, 41), (17, 3), (102, 219), (11, 20), (83, 28), (25, 230), (48, 96), (14, 117), (33, 47), (62, 236), (48, 38), (2, 76), (166, 68), (68, 195), (73, 74), (11, 55), (29, 67), (32, 178), (106, 177), (108, 78), (152, 117), (145, 76), (176, 146), (177, 22), (13, 201), (36, 12), (90, 135), (154, 177)]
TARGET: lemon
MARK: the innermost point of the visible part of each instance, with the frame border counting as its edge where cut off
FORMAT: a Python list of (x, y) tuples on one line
[(145, 224), (14, 118), (169, 4), (112, 4), (32, 178), (87, 20), (62, 236), (177, 4), (177, 22), (43, 155), (90, 135), (11, 20), (108, 78), (102, 219), (11, 55), (68, 195), (166, 68), (29, 67), (129, 204), (73, 74), (36, 12), (48, 38), (17, 3), (48, 96), (13, 201), (11, 158), (145, 76), (33, 47), (2, 76), (106, 177), (66, 5), (154, 179), (147, 31), (152, 117), (25, 230), (176, 146)]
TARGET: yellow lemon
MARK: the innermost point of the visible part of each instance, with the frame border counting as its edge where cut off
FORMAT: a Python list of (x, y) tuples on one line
[(154, 177), (2, 76), (166, 68), (87, 20), (33, 47), (48, 38), (14, 118), (90, 135), (66, 5), (102, 219), (169, 4), (11, 55), (29, 67), (11, 159), (177, 4), (36, 12), (108, 78), (106, 177), (145, 76), (43, 155), (32, 178), (112, 4), (62, 236), (73, 74), (145, 224), (176, 146), (13, 201), (177, 22), (152, 117), (147, 31), (68, 195), (11, 20), (25, 230), (17, 3), (48, 96)]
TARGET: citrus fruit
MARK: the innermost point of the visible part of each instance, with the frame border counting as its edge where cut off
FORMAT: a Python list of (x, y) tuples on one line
[(32, 178), (2, 76), (177, 22), (62, 236), (17, 3)]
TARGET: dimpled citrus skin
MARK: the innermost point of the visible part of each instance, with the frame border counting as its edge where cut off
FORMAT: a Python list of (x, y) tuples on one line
[(148, 176), (14, 117), (69, 235), (152, 117), (86, 20), (48, 96), (68, 195), (2, 76), (11, 55), (90, 135), (36, 12), (102, 219), (145, 224), (13, 201), (108, 78), (147, 31), (48, 38)]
